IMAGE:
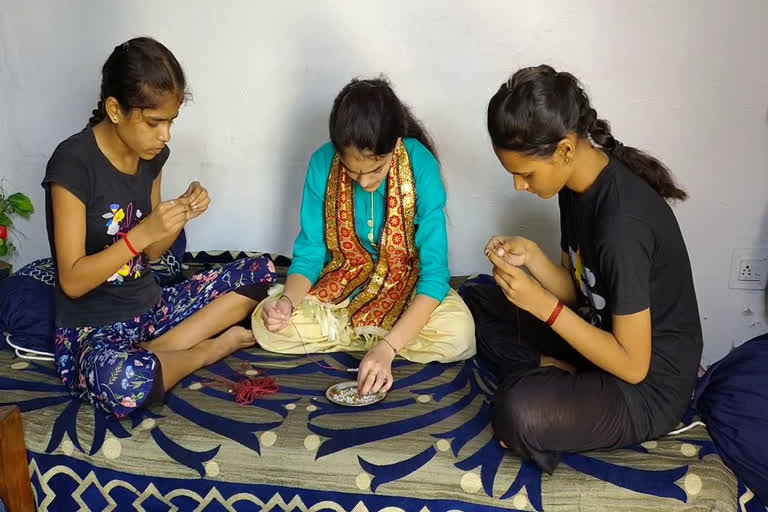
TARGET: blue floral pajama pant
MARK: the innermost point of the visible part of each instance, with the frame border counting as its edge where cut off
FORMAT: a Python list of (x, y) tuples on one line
[(107, 365)]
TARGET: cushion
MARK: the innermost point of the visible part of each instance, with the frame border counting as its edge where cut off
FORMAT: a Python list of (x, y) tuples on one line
[(168, 269), (26, 308), (26, 301), (732, 399)]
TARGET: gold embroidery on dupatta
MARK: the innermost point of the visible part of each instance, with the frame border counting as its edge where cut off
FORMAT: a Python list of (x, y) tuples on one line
[(392, 280)]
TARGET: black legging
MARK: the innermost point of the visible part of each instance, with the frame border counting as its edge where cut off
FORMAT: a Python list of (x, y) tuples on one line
[(541, 412)]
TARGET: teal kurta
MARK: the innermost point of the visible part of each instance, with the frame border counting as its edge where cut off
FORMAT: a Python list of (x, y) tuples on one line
[(310, 253)]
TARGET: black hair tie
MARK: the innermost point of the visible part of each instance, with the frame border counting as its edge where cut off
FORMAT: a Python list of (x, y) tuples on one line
[(618, 148)]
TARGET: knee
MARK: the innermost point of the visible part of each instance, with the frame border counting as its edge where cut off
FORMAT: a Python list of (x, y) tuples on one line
[(454, 323), (261, 268), (517, 416), (466, 345), (139, 383)]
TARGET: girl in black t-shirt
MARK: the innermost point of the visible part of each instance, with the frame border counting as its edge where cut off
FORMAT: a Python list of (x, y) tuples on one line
[(601, 349), (121, 340)]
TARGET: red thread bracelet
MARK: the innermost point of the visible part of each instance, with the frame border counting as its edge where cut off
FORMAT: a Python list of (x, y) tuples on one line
[(555, 313), (129, 244)]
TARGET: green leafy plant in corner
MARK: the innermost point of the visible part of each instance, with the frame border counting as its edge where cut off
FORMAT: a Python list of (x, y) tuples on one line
[(16, 204)]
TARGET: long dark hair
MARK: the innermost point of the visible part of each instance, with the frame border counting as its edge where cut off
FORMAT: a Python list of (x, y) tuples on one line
[(538, 107), (138, 74), (367, 114)]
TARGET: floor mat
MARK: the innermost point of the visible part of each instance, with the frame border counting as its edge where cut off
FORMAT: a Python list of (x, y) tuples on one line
[(427, 447)]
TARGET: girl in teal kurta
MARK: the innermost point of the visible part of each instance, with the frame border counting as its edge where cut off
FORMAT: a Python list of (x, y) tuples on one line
[(370, 270)]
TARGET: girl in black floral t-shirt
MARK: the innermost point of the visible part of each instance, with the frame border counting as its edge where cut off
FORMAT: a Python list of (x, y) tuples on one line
[(121, 340)]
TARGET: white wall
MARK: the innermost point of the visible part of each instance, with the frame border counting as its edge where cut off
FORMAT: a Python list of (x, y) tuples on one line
[(684, 79)]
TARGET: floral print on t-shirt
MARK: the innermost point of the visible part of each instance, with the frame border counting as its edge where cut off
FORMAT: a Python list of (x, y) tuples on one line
[(119, 221)]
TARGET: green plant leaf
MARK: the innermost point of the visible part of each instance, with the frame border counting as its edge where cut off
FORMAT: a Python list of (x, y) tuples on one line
[(5, 220), (21, 204), (4, 250)]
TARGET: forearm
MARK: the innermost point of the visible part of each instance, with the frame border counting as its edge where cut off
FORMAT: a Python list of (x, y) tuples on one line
[(554, 278), (89, 272), (297, 287), (600, 347), (413, 320)]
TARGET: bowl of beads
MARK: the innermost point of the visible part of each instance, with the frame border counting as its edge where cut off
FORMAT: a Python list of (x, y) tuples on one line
[(345, 393)]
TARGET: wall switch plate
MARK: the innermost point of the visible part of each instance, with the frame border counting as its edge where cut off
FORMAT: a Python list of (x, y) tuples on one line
[(748, 269)]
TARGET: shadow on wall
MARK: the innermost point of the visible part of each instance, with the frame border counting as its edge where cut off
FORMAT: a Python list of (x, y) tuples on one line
[(307, 117), (763, 242), (534, 221), (763, 234)]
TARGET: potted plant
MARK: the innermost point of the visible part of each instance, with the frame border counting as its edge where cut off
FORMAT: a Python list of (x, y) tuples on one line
[(16, 204)]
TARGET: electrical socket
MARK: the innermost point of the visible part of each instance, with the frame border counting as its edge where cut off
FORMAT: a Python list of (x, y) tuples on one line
[(748, 269)]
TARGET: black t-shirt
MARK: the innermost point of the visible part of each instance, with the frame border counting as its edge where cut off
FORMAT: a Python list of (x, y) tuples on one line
[(627, 254), (115, 202)]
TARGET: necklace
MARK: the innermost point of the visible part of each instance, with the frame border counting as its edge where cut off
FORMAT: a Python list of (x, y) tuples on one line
[(370, 225)]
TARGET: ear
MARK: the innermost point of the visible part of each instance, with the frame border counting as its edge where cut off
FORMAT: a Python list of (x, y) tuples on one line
[(114, 112), (566, 150)]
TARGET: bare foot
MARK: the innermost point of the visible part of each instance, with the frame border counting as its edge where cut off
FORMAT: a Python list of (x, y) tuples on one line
[(243, 336), (228, 342)]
